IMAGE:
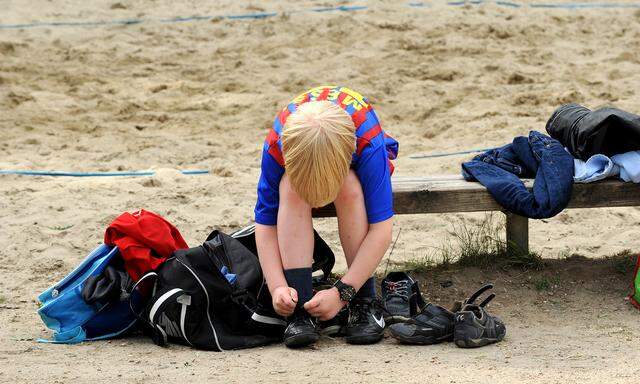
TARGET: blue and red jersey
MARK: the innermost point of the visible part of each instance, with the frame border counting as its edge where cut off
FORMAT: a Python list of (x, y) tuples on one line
[(371, 160)]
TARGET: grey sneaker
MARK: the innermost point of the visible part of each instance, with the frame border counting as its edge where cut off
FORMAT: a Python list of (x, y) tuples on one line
[(474, 327), (433, 325), (401, 297)]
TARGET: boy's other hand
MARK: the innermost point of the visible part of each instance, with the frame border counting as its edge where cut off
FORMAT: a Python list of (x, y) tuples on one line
[(325, 304), (285, 300)]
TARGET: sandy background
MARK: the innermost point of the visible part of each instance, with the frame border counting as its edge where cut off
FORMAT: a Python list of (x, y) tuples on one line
[(202, 94)]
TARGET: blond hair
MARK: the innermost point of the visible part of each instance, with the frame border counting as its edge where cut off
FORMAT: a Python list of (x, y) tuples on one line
[(318, 141)]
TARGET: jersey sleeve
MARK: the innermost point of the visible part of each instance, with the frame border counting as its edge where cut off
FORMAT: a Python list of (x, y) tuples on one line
[(266, 210), (372, 169)]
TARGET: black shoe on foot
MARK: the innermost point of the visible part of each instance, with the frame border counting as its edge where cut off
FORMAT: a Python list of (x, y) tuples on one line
[(366, 322), (301, 330), (474, 327), (335, 326), (433, 325)]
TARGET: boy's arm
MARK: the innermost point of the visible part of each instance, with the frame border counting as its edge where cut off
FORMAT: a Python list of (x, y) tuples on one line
[(269, 256), (374, 174), (326, 303), (266, 214), (284, 298), (375, 177), (373, 248)]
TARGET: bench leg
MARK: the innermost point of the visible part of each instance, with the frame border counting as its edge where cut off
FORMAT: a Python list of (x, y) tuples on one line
[(517, 233)]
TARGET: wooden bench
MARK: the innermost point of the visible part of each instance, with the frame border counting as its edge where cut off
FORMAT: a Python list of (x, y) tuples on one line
[(445, 194)]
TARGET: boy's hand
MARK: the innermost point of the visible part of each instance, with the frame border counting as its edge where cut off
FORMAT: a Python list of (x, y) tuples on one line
[(285, 300), (325, 304)]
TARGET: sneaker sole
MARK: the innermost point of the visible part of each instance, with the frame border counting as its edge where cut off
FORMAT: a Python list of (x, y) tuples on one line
[(301, 340), (476, 343), (421, 340), (331, 331), (365, 339)]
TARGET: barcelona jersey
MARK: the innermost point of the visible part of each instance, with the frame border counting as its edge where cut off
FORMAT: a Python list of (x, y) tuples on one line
[(371, 159)]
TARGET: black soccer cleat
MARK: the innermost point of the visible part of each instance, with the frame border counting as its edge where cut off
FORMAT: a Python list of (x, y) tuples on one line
[(335, 326), (301, 330), (433, 325), (474, 327), (366, 322)]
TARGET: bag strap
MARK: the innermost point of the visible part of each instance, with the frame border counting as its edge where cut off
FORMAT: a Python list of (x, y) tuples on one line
[(143, 278), (171, 296), (240, 296), (158, 335), (161, 303)]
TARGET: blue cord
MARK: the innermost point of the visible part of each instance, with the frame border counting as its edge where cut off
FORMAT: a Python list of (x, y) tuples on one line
[(584, 5), (450, 153), (342, 8), (93, 174), (508, 4), (177, 19)]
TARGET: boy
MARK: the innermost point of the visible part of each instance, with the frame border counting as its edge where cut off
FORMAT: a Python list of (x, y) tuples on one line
[(325, 146)]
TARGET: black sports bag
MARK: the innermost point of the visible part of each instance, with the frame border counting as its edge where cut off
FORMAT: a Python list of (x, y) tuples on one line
[(323, 257), (193, 303)]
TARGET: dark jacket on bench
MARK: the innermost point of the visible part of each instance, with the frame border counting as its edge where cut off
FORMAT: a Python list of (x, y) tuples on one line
[(608, 131), (536, 156)]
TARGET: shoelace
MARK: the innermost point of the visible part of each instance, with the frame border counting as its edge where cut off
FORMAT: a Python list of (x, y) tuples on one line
[(359, 310), (398, 289), (298, 316)]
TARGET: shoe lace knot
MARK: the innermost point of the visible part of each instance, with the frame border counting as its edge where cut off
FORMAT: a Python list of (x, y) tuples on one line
[(398, 289)]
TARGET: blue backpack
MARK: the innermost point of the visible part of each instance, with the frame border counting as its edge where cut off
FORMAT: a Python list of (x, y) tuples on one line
[(73, 320)]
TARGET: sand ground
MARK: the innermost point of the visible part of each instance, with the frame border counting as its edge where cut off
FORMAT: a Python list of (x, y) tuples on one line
[(201, 95)]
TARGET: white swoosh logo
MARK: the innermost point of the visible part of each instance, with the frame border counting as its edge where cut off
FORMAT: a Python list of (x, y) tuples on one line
[(380, 321)]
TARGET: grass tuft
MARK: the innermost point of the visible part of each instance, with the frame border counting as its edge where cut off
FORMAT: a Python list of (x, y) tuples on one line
[(545, 283), (480, 245), (418, 265), (624, 262), (484, 246)]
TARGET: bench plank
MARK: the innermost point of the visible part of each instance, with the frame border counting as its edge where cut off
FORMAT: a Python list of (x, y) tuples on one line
[(445, 194)]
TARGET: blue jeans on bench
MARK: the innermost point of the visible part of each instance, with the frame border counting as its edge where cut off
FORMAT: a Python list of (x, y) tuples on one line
[(536, 156)]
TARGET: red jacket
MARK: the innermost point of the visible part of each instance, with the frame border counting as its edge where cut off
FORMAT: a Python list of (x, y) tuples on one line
[(144, 239)]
